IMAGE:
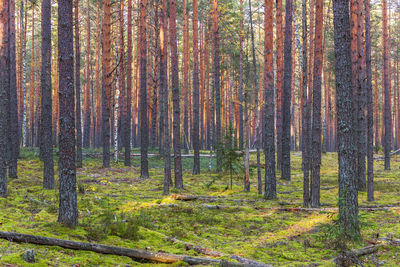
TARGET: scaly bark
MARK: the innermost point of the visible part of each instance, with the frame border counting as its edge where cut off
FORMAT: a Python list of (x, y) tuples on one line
[(87, 96), (144, 138), (13, 105), (78, 88), (128, 104), (370, 107), (348, 195), (286, 94), (107, 82), (316, 116), (269, 108), (4, 97), (386, 84), (175, 94), (196, 87), (68, 209), (46, 116)]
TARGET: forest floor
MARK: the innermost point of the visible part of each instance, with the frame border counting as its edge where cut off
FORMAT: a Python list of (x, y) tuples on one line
[(118, 208)]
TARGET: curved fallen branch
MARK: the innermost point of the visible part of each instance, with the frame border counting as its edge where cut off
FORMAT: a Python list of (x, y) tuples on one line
[(104, 249)]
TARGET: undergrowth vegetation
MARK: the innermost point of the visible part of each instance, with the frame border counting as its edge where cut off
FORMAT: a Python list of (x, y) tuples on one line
[(118, 208)]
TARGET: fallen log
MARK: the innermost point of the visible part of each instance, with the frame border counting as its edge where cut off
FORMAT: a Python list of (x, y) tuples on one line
[(104, 249), (352, 257)]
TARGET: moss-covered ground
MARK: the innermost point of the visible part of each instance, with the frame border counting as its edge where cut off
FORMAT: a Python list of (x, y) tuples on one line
[(140, 217)]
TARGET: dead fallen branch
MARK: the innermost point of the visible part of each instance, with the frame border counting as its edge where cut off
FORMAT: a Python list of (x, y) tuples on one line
[(300, 190), (133, 253), (194, 197), (347, 258), (209, 252)]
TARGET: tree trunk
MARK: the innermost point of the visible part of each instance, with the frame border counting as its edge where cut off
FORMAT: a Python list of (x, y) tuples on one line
[(166, 150), (387, 110), (87, 109), (217, 88), (279, 80), (4, 97), (306, 114), (46, 116), (186, 62), (68, 209), (316, 116), (78, 88), (107, 82), (269, 107), (286, 96), (128, 104), (25, 135), (13, 110), (348, 195), (196, 87), (144, 138), (175, 94), (370, 107)]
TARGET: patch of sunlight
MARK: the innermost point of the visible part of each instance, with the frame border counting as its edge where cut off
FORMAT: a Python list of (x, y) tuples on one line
[(296, 229)]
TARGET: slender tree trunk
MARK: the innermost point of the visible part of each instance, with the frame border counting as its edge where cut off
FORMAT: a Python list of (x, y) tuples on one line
[(25, 135), (78, 88), (217, 87), (144, 138), (46, 118), (128, 104), (370, 107), (166, 150), (32, 85), (68, 209), (376, 106), (4, 97), (196, 87), (107, 82), (269, 108), (316, 116), (386, 84), (279, 80), (241, 34), (348, 195), (186, 59), (87, 109), (286, 96), (175, 94), (306, 124), (255, 99), (13, 110)]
